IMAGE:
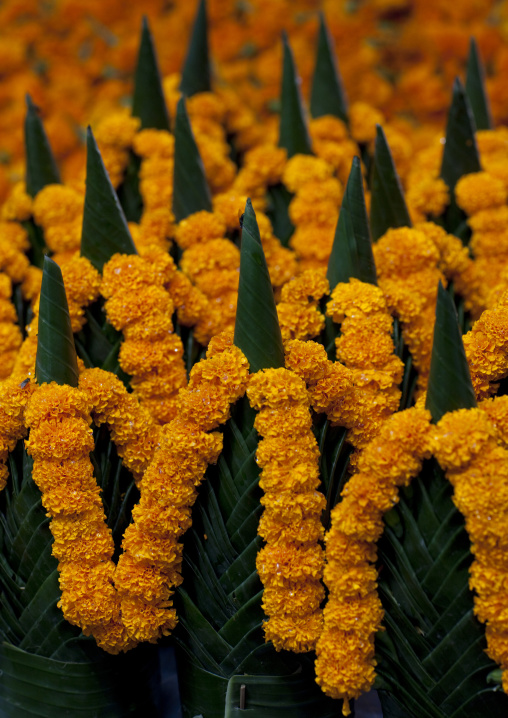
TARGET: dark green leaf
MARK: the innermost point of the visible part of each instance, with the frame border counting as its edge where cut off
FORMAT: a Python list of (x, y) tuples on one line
[(351, 254), (56, 355), (388, 207), (293, 132), (190, 188), (460, 156), (278, 212), (148, 102), (431, 657), (38, 248), (128, 192), (257, 331), (450, 386), (105, 230), (196, 75), (41, 168), (327, 95), (475, 89)]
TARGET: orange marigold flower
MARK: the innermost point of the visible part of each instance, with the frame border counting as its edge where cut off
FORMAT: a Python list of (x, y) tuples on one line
[(479, 191)]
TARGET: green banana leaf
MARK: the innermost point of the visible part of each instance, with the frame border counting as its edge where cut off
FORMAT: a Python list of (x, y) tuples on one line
[(196, 74), (41, 168), (148, 101), (56, 356), (450, 386), (475, 88), (257, 331), (388, 207), (48, 666), (105, 229), (431, 657), (328, 96), (460, 156), (293, 132), (351, 254), (278, 199), (190, 188)]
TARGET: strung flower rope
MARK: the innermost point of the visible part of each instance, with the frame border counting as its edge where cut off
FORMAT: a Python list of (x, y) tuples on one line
[(149, 567), (139, 305), (331, 142), (13, 245), (298, 310), (486, 346), (290, 565), (10, 334), (365, 346), (133, 430), (18, 205), (345, 664), (14, 397), (466, 444), (60, 442), (407, 266)]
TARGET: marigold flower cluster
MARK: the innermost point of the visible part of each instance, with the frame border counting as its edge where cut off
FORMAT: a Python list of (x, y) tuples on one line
[(82, 287), (466, 444), (138, 304), (486, 349), (115, 135), (18, 206), (345, 664), (13, 245), (290, 564), (58, 210), (298, 309), (10, 333), (60, 442), (14, 397), (156, 148), (407, 262), (262, 167), (133, 430), (332, 143), (149, 567), (365, 347), (314, 209), (483, 197), (212, 263)]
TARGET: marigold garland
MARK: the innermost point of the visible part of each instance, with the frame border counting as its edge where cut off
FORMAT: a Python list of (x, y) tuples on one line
[(138, 303), (366, 348), (298, 312), (466, 444), (10, 334), (14, 397), (407, 267), (60, 442), (290, 564), (149, 567), (345, 664)]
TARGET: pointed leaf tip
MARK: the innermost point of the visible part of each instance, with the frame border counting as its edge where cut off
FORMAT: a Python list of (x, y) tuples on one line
[(190, 187), (328, 96), (475, 89), (148, 101), (293, 132), (56, 355), (388, 206), (105, 230), (460, 155), (257, 330), (351, 254), (196, 73), (450, 385), (41, 167)]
